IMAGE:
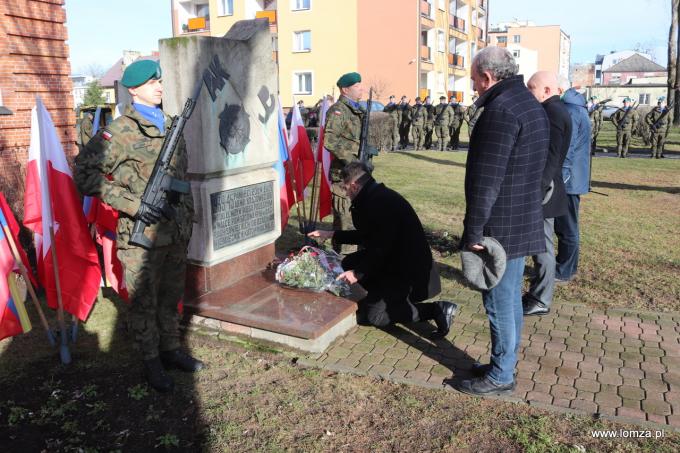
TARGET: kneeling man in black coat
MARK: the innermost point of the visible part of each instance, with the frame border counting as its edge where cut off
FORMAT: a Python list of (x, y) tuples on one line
[(394, 264)]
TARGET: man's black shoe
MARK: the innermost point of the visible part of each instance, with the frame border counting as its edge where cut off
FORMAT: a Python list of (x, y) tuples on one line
[(156, 375), (480, 369), (483, 386), (180, 360), (533, 307), (446, 311)]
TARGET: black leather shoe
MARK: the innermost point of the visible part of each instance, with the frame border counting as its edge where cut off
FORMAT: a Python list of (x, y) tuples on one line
[(483, 386), (480, 369), (446, 311), (156, 376), (181, 360), (533, 307)]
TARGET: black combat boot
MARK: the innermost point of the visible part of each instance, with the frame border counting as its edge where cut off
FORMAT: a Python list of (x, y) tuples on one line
[(181, 360), (156, 375)]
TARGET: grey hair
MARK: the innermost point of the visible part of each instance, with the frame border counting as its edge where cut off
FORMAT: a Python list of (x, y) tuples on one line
[(563, 83), (354, 170), (496, 60)]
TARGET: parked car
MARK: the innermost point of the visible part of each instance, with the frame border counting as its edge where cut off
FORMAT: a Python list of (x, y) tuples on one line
[(375, 106), (608, 111)]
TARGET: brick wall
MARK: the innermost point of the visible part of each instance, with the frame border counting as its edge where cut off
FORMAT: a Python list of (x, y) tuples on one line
[(33, 61)]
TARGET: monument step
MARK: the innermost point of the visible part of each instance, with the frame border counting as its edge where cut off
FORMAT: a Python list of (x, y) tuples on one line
[(259, 303)]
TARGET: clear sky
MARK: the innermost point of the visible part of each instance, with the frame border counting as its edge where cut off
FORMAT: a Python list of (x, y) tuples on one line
[(100, 30)]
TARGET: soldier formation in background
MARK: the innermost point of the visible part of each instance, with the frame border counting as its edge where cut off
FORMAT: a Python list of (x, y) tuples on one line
[(659, 121), (595, 114)]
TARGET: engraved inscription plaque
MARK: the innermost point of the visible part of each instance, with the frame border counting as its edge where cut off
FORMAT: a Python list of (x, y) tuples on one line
[(242, 213)]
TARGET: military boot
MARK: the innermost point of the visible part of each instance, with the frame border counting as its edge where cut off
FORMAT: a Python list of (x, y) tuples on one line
[(181, 360), (156, 375)]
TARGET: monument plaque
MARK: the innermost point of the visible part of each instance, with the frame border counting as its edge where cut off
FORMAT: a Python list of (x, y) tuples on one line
[(242, 213)]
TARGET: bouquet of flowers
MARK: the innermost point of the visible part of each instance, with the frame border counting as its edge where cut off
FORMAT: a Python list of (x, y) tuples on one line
[(314, 269)]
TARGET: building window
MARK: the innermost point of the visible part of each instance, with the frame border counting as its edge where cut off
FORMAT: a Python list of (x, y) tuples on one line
[(298, 5), (644, 99), (516, 39), (501, 39), (302, 41), (202, 10), (225, 7), (441, 41), (302, 83), (515, 53)]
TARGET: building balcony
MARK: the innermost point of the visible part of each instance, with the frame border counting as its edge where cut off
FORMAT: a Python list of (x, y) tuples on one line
[(270, 15), (456, 23), (480, 34), (456, 60), (456, 94), (196, 25), (425, 53), (425, 9)]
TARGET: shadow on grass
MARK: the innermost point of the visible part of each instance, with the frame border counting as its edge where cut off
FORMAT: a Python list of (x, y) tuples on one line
[(622, 186), (433, 160)]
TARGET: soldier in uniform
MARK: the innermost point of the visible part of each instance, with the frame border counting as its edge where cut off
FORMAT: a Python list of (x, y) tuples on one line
[(85, 125), (472, 112), (443, 114), (624, 120), (429, 122), (393, 110), (405, 124), (341, 137), (418, 116), (115, 166), (659, 123), (595, 115), (458, 113)]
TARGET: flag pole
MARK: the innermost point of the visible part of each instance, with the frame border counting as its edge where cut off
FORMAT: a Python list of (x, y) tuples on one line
[(29, 285), (64, 351)]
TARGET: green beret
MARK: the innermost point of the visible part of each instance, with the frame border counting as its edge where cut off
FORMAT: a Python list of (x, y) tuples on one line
[(349, 79), (442, 97), (661, 98), (139, 72)]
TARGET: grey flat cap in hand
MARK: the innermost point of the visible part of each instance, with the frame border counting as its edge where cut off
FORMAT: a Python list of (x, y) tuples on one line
[(484, 269)]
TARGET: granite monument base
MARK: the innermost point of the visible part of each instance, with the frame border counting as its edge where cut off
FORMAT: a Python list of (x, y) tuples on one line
[(258, 307)]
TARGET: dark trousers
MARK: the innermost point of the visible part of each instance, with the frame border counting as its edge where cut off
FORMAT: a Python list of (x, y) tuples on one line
[(566, 229)]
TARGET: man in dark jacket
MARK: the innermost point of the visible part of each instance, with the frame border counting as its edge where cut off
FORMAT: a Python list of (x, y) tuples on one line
[(576, 177), (508, 150), (395, 265), (544, 86)]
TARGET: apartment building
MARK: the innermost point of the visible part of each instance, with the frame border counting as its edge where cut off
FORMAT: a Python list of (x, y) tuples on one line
[(401, 47), (535, 47), (604, 62)]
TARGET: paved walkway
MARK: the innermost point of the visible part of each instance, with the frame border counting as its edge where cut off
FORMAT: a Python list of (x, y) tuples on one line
[(622, 364)]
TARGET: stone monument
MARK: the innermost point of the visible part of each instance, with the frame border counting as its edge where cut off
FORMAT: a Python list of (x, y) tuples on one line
[(232, 142)]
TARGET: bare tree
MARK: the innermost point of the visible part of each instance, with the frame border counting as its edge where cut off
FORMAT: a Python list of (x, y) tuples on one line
[(673, 74), (93, 69), (380, 86)]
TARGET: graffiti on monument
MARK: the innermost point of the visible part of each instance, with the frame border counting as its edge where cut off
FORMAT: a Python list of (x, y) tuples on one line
[(268, 102)]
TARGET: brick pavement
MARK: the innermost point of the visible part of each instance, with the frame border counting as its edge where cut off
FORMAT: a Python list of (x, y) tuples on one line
[(620, 364)]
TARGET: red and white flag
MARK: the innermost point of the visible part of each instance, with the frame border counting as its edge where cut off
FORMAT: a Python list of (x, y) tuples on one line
[(301, 153), (51, 200), (324, 157)]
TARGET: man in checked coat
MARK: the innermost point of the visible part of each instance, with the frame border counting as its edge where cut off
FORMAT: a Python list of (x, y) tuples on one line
[(508, 150)]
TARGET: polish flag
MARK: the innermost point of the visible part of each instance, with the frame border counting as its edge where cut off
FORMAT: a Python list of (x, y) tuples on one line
[(301, 153), (285, 187), (324, 157), (51, 201)]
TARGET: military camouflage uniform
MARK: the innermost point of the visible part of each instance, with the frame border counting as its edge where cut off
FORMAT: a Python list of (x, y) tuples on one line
[(429, 125), (405, 124), (472, 113), (341, 138), (456, 123), (624, 129), (443, 114), (595, 116), (418, 117), (115, 166), (395, 113), (84, 130), (658, 136)]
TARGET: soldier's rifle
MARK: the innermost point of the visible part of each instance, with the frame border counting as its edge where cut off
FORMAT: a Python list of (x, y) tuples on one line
[(366, 152), (625, 116), (161, 183), (663, 116)]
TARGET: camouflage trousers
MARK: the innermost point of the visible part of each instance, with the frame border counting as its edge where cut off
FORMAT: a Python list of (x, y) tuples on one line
[(454, 135), (658, 140), (155, 282), (429, 129), (342, 218), (442, 137), (622, 143), (418, 136), (395, 137)]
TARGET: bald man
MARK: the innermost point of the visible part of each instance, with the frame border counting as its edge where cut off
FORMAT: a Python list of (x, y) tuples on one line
[(545, 87)]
